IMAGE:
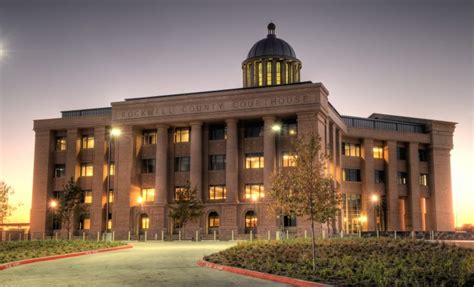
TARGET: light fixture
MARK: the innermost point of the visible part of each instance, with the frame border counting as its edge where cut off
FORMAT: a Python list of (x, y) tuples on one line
[(53, 204), (140, 200), (375, 197), (115, 132), (276, 127)]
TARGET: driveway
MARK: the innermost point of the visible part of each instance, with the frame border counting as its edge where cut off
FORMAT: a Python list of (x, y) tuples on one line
[(146, 264)]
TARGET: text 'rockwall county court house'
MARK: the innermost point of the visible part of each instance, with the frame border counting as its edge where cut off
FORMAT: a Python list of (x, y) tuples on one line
[(224, 142)]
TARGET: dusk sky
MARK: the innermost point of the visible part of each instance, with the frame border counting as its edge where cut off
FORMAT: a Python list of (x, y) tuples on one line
[(410, 58)]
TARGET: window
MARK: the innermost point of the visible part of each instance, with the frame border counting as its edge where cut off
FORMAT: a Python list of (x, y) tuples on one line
[(248, 74), (148, 165), (350, 149), (112, 168), (289, 221), (180, 190), (378, 152), (260, 74), (109, 222), (217, 192), (111, 196), (144, 222), (148, 194), (379, 176), (253, 131), (217, 133), (87, 196), (57, 194), (181, 135), (288, 159), (351, 204), (423, 154), (250, 222), (286, 72), (216, 162), (289, 129), (87, 169), (60, 144), (149, 137), (424, 179), (351, 174), (254, 160), (401, 153), (181, 163), (254, 191), (59, 170), (402, 177), (213, 220), (269, 73), (87, 142), (278, 73), (86, 224)]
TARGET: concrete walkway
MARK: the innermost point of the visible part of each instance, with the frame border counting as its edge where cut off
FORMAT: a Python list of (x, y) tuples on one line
[(147, 264)]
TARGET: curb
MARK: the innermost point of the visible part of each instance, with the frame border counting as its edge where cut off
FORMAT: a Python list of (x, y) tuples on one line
[(61, 256), (261, 275)]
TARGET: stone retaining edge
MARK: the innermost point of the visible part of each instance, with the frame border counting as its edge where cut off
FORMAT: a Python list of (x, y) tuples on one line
[(261, 275), (61, 256)]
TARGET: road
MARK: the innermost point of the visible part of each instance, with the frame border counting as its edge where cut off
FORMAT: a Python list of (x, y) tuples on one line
[(146, 264)]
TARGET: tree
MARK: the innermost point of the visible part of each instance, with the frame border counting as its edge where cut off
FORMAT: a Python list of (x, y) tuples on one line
[(6, 208), (187, 207), (306, 189), (70, 204)]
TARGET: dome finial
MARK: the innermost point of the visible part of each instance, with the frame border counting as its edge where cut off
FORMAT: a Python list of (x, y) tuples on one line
[(271, 29)]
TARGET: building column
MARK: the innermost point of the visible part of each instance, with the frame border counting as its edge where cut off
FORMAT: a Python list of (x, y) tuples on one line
[(414, 186), (391, 172), (73, 147), (100, 160), (368, 183), (161, 164), (268, 152), (232, 162), (196, 158)]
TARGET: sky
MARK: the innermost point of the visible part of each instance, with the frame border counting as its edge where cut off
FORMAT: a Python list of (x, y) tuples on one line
[(410, 58)]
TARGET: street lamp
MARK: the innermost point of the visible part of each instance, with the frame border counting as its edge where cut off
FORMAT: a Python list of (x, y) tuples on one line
[(52, 204), (140, 201), (375, 199), (113, 133)]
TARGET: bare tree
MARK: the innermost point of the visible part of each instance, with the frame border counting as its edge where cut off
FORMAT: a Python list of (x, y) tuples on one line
[(71, 204), (6, 208), (306, 189), (187, 207)]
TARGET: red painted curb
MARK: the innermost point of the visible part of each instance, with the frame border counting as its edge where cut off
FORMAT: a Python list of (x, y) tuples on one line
[(61, 256), (261, 275)]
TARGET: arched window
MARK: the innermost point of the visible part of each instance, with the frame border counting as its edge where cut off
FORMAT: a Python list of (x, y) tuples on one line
[(278, 73), (144, 222), (213, 222), (260, 74), (269, 73), (250, 222)]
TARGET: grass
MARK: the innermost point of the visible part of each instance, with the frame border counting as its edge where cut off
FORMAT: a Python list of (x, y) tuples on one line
[(17, 250), (356, 262)]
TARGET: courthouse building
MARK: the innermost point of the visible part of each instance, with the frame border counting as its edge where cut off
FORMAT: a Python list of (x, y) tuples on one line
[(393, 171)]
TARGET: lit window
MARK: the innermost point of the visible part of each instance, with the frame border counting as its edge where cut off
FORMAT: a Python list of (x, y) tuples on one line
[(145, 222), (88, 197), (111, 196), (181, 163), (87, 169), (213, 220), (217, 192), (148, 194), (297, 73), (180, 191), (109, 224), (253, 131), (288, 159), (378, 152), (401, 153), (291, 73), (278, 73), (350, 149), (248, 74), (379, 176), (60, 144), (287, 67), (424, 179), (254, 160), (250, 221), (86, 224), (181, 135), (112, 168), (87, 142), (253, 191), (289, 129), (351, 174), (59, 170), (260, 74), (217, 133), (269, 73), (149, 137), (402, 178), (216, 162), (148, 165)]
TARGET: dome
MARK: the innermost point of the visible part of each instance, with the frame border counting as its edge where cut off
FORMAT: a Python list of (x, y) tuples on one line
[(271, 46)]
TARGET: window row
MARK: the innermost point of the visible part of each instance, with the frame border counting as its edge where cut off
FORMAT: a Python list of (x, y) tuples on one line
[(354, 150), (86, 169), (379, 176)]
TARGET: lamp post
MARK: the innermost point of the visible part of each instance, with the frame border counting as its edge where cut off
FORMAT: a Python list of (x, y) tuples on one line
[(114, 132), (254, 199), (52, 204), (140, 201), (276, 128), (375, 199)]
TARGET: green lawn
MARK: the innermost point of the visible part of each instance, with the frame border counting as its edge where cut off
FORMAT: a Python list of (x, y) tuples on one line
[(18, 250), (349, 262)]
